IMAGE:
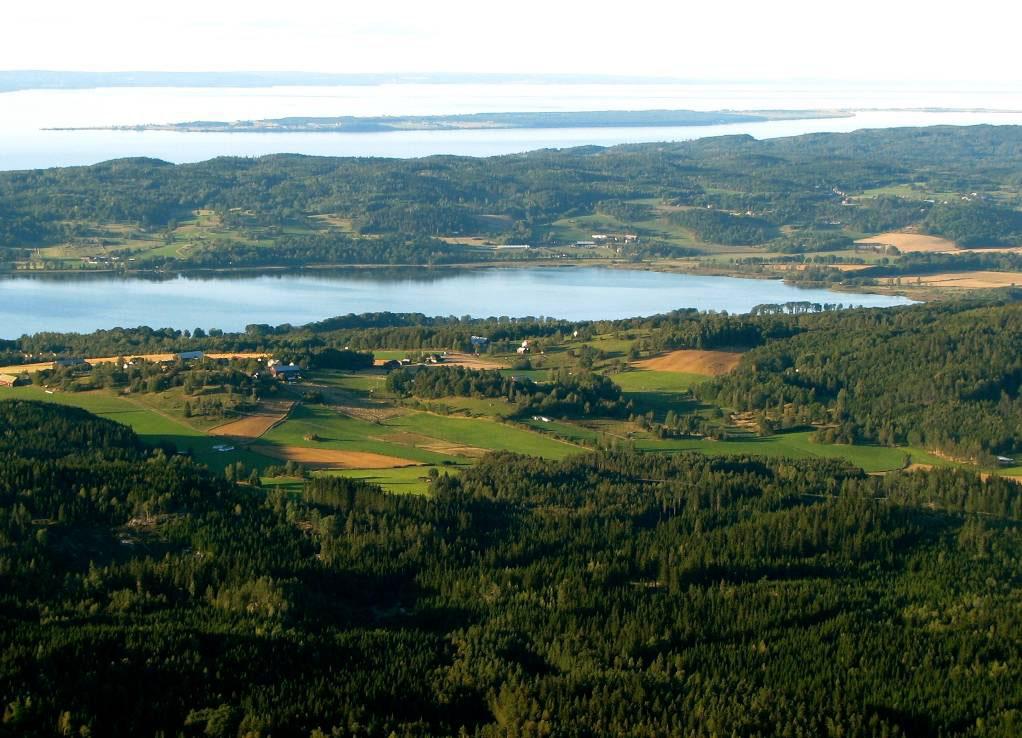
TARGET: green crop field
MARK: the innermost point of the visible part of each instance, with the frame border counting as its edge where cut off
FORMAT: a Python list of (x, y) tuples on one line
[(480, 406), (339, 432), (483, 433), (643, 380), (151, 426), (798, 445), (570, 431), (360, 382), (406, 480)]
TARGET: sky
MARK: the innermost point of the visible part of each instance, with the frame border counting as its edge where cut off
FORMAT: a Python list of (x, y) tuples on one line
[(868, 40)]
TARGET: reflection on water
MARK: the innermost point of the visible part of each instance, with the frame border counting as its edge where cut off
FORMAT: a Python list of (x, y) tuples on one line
[(230, 302)]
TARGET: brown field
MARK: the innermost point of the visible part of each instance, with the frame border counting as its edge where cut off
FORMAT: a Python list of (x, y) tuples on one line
[(255, 424), (466, 240), (18, 368), (908, 243), (453, 449), (473, 362), (962, 280), (803, 267), (467, 360), (997, 250), (371, 412), (323, 458), (693, 361)]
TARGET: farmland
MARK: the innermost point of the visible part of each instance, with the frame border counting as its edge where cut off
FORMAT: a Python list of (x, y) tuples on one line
[(349, 423)]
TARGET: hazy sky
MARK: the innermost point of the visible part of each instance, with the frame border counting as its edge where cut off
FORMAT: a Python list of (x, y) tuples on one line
[(714, 39)]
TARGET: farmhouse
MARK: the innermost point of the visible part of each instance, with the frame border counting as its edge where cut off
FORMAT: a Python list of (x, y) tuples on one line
[(286, 372), (72, 362)]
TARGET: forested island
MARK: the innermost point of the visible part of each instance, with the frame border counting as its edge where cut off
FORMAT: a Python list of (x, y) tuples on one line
[(470, 121), (871, 208)]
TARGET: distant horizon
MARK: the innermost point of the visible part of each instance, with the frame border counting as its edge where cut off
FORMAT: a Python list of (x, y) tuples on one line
[(16, 80)]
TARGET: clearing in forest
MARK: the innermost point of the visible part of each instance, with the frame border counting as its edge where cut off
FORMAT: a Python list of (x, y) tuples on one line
[(693, 361)]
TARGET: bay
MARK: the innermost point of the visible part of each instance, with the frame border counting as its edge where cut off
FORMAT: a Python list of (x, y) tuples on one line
[(71, 303), (25, 144)]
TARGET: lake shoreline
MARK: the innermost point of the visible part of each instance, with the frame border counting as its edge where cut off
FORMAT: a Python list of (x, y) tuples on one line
[(673, 267), (84, 303)]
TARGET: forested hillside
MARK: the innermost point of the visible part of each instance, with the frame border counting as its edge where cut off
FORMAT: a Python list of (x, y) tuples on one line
[(610, 594), (822, 189), (944, 376)]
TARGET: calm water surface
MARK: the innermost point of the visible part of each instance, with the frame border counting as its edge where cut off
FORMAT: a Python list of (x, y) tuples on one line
[(25, 145), (34, 304)]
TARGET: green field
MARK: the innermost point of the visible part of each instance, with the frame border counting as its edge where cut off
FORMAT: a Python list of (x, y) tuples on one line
[(411, 435), (407, 480), (483, 433), (478, 406), (642, 380), (152, 427), (338, 432), (569, 431), (798, 446)]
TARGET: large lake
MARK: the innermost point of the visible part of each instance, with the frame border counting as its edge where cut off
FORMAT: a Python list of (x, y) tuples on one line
[(83, 304), (25, 145)]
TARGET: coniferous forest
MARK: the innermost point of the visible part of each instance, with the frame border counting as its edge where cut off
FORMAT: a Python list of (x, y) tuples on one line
[(611, 593)]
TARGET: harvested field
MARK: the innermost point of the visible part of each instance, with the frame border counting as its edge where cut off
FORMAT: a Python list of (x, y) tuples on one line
[(472, 362), (254, 424), (962, 280), (466, 240), (803, 267), (908, 243), (693, 361), (18, 368), (372, 413), (323, 458), (452, 449)]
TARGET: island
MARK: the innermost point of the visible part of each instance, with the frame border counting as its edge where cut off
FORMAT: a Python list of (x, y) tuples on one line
[(472, 121)]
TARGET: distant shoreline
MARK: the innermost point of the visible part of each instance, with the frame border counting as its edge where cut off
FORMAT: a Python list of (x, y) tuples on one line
[(39, 79), (513, 120), (478, 121)]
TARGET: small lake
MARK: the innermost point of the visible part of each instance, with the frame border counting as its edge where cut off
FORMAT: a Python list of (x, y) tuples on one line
[(32, 304)]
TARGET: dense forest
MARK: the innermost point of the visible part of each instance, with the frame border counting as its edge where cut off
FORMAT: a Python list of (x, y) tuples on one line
[(945, 376), (734, 190), (568, 394), (607, 594)]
